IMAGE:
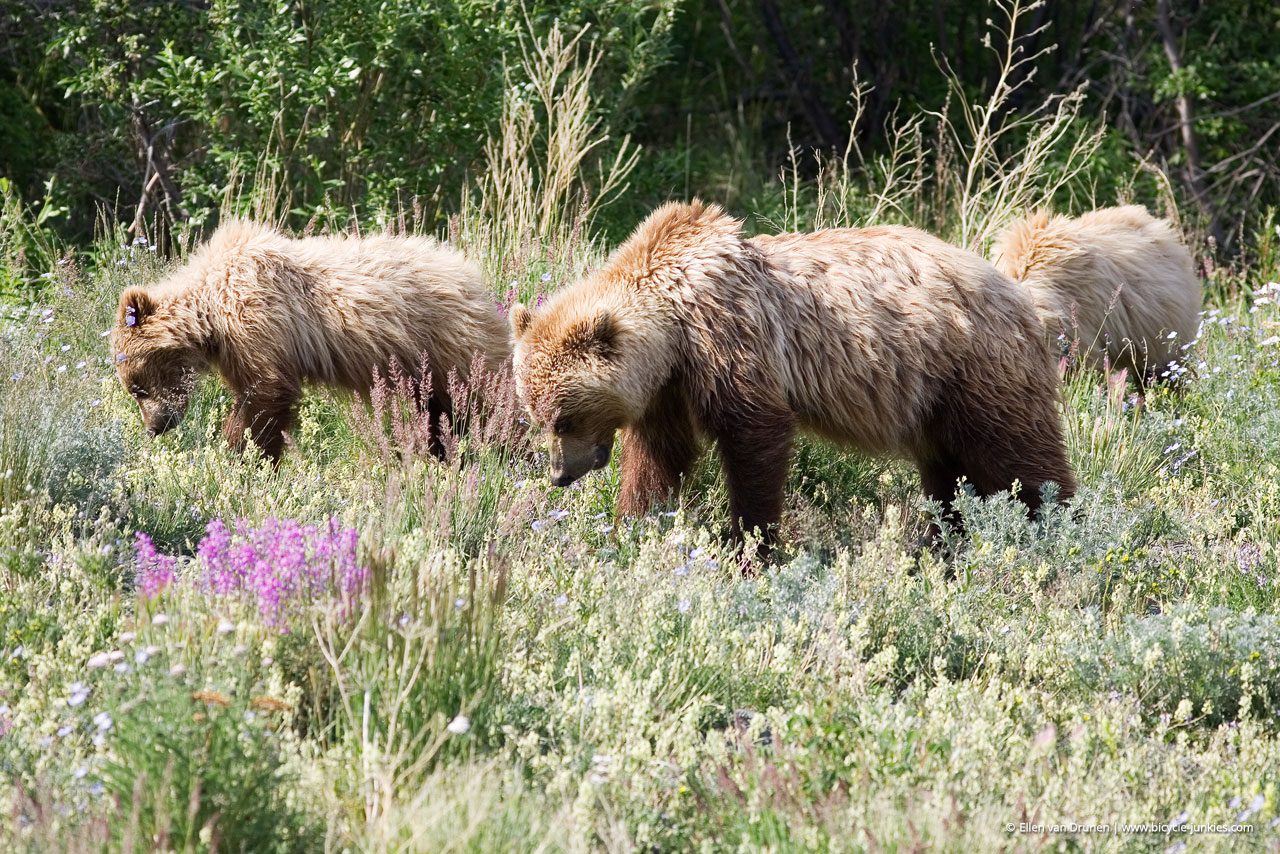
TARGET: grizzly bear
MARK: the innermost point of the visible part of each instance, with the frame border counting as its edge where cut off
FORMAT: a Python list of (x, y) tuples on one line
[(886, 339), (1117, 280), (269, 313)]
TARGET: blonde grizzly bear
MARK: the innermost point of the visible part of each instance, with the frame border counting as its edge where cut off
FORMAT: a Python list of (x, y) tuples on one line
[(270, 313), (886, 339), (1118, 280)]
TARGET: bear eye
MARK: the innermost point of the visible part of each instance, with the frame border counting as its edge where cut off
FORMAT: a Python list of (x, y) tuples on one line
[(563, 426)]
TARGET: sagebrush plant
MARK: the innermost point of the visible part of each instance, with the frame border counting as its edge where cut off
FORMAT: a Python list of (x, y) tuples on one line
[(368, 648)]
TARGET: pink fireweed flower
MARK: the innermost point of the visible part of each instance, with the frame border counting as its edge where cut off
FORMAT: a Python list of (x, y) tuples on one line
[(281, 566), (156, 571)]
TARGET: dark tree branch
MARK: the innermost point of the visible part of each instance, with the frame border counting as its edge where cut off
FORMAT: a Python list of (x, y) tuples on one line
[(820, 119), (1186, 121)]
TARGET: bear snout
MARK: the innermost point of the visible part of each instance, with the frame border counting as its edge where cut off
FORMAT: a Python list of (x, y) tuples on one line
[(162, 423), (562, 479)]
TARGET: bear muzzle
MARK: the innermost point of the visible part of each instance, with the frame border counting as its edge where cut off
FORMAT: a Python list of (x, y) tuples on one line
[(162, 422), (572, 459)]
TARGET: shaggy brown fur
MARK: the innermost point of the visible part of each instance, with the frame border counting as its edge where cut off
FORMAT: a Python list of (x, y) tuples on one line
[(884, 338), (1117, 280), (270, 313)]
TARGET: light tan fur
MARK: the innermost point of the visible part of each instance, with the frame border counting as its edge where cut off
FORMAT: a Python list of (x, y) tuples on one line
[(884, 338), (1118, 280), (270, 312)]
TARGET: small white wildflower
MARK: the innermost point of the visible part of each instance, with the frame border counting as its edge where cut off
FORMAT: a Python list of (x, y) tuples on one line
[(225, 627), (122, 667), (546, 277), (683, 606), (79, 693), (160, 620), (104, 333), (114, 656), (141, 657), (177, 670), (80, 773), (64, 731), (103, 721), (1254, 806), (127, 637), (562, 600), (1269, 342), (460, 725), (98, 660)]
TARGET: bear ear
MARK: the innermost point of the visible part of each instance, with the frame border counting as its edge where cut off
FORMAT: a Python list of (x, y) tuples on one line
[(520, 318), (136, 305), (596, 335)]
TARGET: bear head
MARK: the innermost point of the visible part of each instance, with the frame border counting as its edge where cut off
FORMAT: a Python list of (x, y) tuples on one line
[(571, 372), (157, 358)]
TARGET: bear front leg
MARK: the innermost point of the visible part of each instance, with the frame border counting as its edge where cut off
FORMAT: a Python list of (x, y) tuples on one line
[(755, 455), (657, 452), (266, 413), (939, 474), (439, 408)]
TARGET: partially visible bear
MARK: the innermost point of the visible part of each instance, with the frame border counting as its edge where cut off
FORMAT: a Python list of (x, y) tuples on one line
[(269, 313), (883, 338), (1117, 280)]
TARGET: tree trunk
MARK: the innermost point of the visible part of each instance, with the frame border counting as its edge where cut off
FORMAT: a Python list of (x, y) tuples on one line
[(1186, 122)]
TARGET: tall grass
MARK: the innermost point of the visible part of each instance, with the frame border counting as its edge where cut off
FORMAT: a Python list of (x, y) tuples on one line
[(969, 169), (537, 197)]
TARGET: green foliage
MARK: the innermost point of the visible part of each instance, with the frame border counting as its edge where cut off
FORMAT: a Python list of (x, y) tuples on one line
[(315, 105)]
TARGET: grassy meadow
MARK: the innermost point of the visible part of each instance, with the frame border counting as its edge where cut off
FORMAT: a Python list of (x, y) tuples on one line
[(371, 650)]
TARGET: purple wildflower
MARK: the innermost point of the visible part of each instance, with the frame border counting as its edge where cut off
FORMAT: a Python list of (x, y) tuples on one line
[(280, 566), (156, 571)]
